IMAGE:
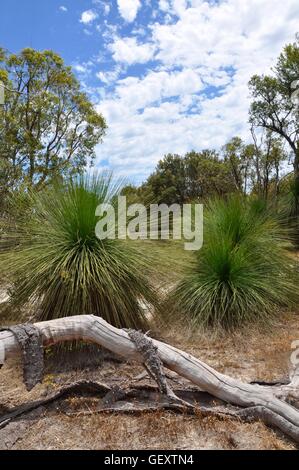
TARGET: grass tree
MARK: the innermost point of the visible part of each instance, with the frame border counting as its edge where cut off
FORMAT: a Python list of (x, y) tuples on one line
[(54, 260), (242, 273)]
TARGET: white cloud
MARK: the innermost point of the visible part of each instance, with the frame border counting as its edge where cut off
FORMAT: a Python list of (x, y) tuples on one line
[(128, 51), (80, 68), (156, 86), (128, 9), (88, 16), (164, 5), (179, 6), (104, 5), (106, 9), (173, 7), (111, 76), (87, 32), (197, 96), (63, 8)]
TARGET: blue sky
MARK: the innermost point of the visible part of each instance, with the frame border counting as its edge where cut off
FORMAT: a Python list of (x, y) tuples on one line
[(168, 75)]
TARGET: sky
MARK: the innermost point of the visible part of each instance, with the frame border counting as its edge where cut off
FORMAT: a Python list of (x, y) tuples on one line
[(169, 76)]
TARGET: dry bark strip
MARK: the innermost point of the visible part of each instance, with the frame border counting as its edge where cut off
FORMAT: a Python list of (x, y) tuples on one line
[(153, 365), (261, 402), (31, 345)]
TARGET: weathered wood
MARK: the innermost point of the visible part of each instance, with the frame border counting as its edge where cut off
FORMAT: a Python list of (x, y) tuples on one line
[(138, 399), (94, 329), (63, 392)]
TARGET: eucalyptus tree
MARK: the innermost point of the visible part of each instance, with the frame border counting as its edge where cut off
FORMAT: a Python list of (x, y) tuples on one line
[(275, 104), (48, 126)]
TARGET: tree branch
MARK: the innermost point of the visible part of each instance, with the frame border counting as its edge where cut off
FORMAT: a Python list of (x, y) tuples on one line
[(90, 328)]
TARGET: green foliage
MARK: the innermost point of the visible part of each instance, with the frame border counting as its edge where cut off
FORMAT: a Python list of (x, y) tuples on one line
[(167, 184), (48, 126), (55, 261), (237, 156), (256, 167), (133, 194), (197, 175), (207, 175), (242, 273), (273, 107)]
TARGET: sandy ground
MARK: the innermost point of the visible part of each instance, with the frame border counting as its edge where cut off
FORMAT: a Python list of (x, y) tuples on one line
[(250, 354)]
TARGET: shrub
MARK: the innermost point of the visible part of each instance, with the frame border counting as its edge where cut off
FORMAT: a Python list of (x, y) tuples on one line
[(242, 273), (55, 260)]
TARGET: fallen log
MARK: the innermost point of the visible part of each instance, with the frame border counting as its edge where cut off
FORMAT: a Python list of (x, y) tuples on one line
[(262, 401)]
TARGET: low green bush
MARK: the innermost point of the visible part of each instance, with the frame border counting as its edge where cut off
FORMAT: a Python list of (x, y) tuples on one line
[(243, 273)]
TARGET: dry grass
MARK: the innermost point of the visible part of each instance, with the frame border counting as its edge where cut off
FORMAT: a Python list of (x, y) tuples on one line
[(149, 431), (250, 353)]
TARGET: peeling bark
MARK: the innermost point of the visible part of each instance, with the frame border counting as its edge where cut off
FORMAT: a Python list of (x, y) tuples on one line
[(31, 343)]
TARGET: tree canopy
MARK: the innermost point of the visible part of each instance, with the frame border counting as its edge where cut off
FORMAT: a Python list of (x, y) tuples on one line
[(48, 126), (239, 167), (197, 175), (275, 106)]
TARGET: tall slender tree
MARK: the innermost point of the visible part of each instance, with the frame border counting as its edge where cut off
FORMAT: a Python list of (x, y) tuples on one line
[(275, 105)]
